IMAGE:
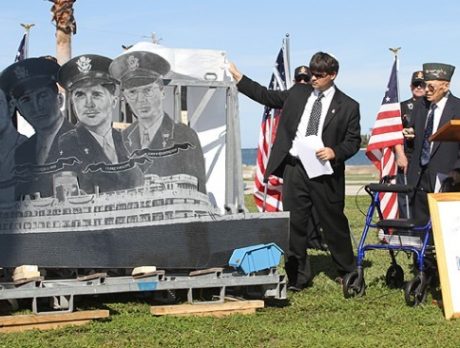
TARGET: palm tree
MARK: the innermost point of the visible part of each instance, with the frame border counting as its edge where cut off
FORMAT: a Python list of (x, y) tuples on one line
[(62, 11)]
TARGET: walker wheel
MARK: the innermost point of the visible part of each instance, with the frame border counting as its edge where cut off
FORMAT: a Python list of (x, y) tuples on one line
[(353, 285), (416, 291), (394, 277)]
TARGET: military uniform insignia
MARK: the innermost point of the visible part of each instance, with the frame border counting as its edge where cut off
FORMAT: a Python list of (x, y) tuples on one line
[(84, 64), (419, 75), (165, 137), (303, 70), (21, 72), (133, 63)]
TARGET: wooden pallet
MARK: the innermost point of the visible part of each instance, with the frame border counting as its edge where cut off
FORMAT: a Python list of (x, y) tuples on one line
[(17, 323), (209, 309)]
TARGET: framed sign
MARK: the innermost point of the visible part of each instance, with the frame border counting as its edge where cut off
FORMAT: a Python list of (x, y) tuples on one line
[(444, 208)]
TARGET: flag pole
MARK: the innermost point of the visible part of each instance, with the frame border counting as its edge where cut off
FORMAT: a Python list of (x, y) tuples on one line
[(272, 114), (395, 52), (27, 28), (287, 62)]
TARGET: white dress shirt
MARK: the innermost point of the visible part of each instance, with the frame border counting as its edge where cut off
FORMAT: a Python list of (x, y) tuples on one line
[(325, 103)]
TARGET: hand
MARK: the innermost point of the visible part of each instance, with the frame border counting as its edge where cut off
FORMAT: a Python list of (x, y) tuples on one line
[(236, 74), (408, 133), (401, 162), (325, 154)]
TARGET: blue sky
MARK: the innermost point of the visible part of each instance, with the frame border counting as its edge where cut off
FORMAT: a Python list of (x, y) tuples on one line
[(358, 33)]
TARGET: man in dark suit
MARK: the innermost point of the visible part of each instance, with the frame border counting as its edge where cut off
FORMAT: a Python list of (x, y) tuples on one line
[(94, 142), (31, 83), (318, 109), (429, 160), (178, 149)]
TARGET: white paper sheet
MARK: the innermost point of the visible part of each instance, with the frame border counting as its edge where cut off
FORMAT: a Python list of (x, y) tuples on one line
[(306, 148)]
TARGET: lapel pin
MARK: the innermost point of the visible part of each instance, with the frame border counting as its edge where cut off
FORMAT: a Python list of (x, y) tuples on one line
[(86, 150)]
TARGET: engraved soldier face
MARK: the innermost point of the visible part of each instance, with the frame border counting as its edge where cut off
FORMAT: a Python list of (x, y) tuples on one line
[(93, 105), (40, 107), (146, 101)]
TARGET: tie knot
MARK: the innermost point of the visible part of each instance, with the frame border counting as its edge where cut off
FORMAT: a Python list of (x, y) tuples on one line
[(433, 106), (320, 95)]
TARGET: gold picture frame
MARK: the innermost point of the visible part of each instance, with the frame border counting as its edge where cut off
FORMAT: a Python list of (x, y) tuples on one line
[(445, 220)]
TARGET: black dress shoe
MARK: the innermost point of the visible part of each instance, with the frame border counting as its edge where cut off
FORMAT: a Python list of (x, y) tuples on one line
[(294, 288)]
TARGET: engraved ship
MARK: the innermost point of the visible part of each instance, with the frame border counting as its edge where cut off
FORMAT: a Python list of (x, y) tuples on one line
[(160, 200), (166, 222)]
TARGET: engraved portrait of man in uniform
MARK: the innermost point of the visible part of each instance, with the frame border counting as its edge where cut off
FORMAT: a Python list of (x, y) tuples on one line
[(140, 75), (93, 96), (10, 139), (31, 85)]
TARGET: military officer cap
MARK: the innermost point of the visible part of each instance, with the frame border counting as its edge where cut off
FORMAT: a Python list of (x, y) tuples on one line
[(87, 68), (438, 71), (302, 70), (28, 74), (138, 68), (417, 77)]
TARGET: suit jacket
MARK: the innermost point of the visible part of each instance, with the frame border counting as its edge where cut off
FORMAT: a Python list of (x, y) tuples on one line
[(26, 153), (189, 161), (341, 130), (81, 144), (445, 156)]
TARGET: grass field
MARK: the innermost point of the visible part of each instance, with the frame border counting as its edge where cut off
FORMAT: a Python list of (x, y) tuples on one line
[(316, 317)]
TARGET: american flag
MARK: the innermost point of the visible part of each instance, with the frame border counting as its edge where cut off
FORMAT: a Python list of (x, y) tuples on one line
[(386, 134), (21, 54), (268, 195)]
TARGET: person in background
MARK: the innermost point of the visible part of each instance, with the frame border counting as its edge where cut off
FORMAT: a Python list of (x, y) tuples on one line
[(417, 87), (320, 109), (302, 74)]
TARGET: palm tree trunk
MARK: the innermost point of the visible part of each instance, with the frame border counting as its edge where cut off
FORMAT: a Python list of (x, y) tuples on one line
[(62, 11)]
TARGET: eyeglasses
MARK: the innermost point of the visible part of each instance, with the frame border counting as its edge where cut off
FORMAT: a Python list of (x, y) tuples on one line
[(303, 78), (418, 85), (146, 91), (319, 75)]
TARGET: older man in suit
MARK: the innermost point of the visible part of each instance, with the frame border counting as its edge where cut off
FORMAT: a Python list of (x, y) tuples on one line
[(320, 109), (31, 84), (94, 142), (177, 146), (430, 160)]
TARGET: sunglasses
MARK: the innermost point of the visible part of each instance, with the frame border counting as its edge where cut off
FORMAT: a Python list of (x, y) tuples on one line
[(319, 75), (418, 84), (301, 78)]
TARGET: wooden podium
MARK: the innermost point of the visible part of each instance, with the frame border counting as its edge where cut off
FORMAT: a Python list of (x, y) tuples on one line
[(448, 132), (444, 209)]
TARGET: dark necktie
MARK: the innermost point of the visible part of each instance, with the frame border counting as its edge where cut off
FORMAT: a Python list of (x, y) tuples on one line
[(313, 122), (426, 146)]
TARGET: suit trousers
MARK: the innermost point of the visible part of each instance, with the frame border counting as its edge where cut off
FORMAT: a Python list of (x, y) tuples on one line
[(419, 203), (300, 194)]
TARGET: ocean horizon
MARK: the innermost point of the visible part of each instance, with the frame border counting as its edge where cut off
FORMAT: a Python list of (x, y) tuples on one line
[(249, 157)]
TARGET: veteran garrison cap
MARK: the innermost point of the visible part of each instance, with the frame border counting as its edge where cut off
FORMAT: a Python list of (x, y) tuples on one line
[(87, 68), (302, 70), (417, 76), (438, 71), (27, 74), (138, 68)]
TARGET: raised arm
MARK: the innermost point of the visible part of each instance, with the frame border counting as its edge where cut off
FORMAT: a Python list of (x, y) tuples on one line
[(258, 93)]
